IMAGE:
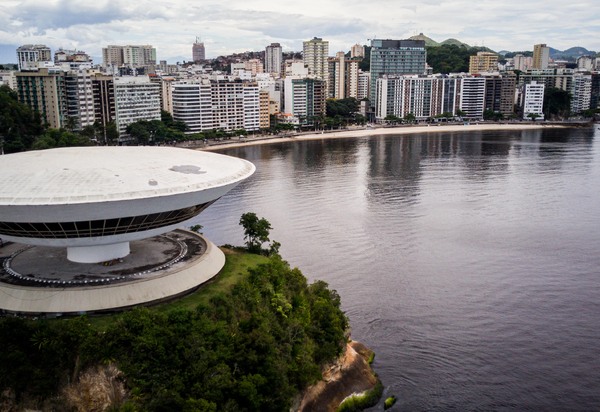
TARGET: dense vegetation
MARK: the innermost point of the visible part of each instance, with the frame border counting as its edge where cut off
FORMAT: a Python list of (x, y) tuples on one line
[(451, 58), (249, 347)]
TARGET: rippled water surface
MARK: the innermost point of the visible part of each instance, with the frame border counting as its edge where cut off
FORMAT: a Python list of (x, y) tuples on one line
[(468, 261)]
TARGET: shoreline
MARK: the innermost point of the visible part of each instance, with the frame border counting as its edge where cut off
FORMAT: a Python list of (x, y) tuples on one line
[(362, 132)]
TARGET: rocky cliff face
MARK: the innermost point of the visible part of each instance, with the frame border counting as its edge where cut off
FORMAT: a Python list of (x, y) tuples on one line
[(350, 374)]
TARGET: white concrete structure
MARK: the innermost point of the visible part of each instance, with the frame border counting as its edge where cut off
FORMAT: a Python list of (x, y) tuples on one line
[(581, 92), (100, 294), (136, 98), (192, 104), (472, 97), (532, 100), (95, 200)]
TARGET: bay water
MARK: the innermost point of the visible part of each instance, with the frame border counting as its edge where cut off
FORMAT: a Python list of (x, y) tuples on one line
[(468, 261)]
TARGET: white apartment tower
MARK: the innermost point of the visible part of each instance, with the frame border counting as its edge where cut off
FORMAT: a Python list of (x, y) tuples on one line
[(532, 100), (273, 58), (315, 57), (472, 97), (192, 104), (136, 98)]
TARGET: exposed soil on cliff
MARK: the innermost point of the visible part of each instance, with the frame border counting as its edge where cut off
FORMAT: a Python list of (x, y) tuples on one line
[(350, 374)]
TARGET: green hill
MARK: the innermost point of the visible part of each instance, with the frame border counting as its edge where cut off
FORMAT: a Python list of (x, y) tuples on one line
[(253, 339)]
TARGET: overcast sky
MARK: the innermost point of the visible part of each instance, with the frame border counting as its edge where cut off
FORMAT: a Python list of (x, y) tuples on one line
[(239, 25)]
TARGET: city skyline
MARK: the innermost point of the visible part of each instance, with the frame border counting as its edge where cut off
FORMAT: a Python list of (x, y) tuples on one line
[(172, 26)]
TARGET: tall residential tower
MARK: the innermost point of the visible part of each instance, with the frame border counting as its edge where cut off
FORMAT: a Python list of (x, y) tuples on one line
[(315, 57), (198, 51), (273, 58)]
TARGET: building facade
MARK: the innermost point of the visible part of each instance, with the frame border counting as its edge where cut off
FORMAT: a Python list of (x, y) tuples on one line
[(198, 51), (315, 55), (136, 98), (30, 55), (541, 56), (273, 59), (396, 57), (531, 100), (305, 98), (483, 62), (44, 92)]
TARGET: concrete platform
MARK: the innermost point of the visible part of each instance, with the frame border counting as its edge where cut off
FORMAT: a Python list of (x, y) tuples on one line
[(40, 280)]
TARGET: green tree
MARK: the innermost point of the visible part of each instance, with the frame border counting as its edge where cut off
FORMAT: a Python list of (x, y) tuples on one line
[(557, 103), (19, 125), (256, 231)]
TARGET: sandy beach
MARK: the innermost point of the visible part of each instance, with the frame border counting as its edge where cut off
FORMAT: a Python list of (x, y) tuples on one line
[(361, 132)]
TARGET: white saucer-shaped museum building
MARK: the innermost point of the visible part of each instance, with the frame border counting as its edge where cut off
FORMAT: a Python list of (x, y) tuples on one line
[(95, 200), (69, 215)]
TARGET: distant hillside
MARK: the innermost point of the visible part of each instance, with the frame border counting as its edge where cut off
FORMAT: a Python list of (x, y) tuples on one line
[(570, 54), (429, 42), (454, 42)]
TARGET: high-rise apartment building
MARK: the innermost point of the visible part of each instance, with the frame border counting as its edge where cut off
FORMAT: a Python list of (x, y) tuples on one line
[(130, 55), (522, 63), (192, 104), (357, 51), (483, 62), (364, 82), (500, 93), (531, 100), (343, 77), (541, 56), (254, 66), (198, 51), (104, 99), (472, 97), (80, 98), (29, 55), (273, 58), (315, 55), (305, 98), (264, 112), (396, 57), (581, 92), (44, 92), (136, 98)]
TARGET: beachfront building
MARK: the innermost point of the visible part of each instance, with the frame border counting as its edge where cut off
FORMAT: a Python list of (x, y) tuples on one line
[(192, 104), (581, 93), (217, 104), (429, 96), (500, 93), (472, 97), (304, 98), (531, 100), (396, 57), (136, 98)]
